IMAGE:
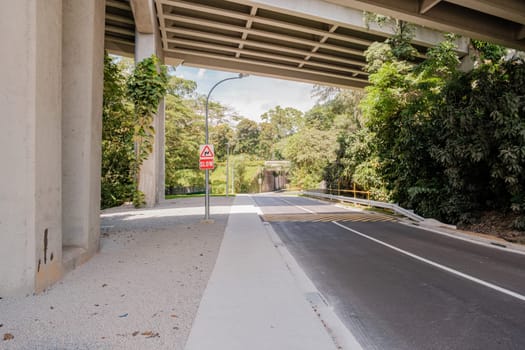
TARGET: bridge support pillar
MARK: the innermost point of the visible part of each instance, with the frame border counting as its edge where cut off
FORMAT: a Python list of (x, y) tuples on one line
[(147, 43), (30, 157), (51, 98), (82, 88)]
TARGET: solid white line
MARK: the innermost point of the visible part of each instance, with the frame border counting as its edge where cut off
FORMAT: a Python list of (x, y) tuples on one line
[(439, 266), (486, 242)]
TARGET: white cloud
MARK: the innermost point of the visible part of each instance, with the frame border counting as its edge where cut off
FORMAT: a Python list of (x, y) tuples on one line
[(251, 96), (201, 72)]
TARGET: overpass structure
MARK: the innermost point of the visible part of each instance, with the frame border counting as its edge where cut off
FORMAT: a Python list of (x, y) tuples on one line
[(52, 80)]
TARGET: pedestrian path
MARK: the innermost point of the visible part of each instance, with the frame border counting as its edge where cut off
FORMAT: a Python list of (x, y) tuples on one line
[(252, 301)]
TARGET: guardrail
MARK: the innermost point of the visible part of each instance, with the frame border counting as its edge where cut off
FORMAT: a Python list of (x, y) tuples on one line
[(394, 207), (353, 192)]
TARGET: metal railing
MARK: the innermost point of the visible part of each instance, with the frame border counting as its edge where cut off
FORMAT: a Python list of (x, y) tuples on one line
[(354, 193), (394, 207)]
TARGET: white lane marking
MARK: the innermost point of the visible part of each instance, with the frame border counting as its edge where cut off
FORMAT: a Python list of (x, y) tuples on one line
[(507, 249), (485, 243), (435, 264), (298, 206)]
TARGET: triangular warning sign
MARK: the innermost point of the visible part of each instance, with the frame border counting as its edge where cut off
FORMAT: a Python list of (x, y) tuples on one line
[(206, 151)]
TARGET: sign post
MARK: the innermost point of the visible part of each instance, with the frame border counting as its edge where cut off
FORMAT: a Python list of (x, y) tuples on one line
[(207, 176), (206, 160), (206, 157)]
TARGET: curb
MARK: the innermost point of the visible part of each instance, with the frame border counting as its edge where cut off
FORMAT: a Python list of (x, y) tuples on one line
[(340, 335)]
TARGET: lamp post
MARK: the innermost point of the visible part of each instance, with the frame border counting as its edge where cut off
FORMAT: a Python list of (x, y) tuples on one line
[(227, 165), (207, 174)]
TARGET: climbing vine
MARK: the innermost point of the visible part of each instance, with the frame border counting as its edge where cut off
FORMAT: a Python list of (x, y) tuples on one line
[(146, 87)]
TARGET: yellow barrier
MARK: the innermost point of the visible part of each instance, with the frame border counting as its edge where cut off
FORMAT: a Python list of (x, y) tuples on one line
[(353, 191)]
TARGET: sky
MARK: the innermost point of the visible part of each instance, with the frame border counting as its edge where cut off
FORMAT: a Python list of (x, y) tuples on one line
[(250, 96)]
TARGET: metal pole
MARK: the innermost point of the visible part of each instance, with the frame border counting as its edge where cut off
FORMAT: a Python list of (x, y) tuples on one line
[(207, 176), (227, 166), (233, 178)]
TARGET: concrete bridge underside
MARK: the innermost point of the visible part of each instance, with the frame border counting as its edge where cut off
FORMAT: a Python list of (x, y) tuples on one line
[(316, 41), (52, 79)]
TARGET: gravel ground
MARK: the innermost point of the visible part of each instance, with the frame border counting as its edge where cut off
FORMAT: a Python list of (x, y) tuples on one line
[(141, 291)]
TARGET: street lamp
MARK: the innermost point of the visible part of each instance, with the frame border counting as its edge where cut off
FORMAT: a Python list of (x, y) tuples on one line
[(207, 175)]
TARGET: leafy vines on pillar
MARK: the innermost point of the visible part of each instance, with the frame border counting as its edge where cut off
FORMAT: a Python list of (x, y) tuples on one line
[(146, 87)]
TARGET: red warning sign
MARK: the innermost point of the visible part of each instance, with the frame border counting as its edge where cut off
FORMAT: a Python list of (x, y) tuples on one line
[(206, 152), (206, 164), (206, 157)]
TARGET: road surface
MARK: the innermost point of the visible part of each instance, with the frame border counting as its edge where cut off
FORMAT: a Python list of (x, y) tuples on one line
[(399, 287)]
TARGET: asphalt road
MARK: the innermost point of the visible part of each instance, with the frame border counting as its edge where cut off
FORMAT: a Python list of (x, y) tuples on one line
[(400, 287)]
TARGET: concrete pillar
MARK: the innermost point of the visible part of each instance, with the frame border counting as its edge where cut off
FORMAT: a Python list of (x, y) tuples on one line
[(30, 129), (152, 175), (82, 88)]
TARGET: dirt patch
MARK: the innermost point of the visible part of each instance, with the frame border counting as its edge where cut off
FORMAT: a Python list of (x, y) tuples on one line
[(141, 291), (497, 224)]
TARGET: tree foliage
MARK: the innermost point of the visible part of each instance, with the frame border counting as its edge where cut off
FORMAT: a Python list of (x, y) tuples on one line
[(310, 151), (184, 135), (445, 143), (131, 97), (247, 137), (117, 138), (480, 139), (146, 86)]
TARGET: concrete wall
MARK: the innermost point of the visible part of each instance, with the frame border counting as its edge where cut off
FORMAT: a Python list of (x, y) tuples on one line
[(83, 74), (51, 119), (30, 96)]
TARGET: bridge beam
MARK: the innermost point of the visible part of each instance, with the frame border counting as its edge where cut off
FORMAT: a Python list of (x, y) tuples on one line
[(478, 19)]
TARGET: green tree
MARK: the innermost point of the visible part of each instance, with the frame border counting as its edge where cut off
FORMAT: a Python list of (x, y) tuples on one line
[(310, 151), (117, 138), (319, 117), (277, 124), (247, 136), (397, 109), (221, 136), (267, 139), (285, 121), (184, 135), (488, 51), (181, 87), (480, 141)]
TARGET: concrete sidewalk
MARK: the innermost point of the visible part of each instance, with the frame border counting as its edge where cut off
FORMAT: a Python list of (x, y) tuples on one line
[(252, 300)]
